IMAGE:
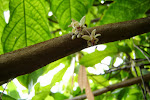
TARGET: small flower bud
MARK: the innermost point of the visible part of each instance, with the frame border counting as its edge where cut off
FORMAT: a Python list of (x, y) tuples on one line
[(79, 35), (73, 37)]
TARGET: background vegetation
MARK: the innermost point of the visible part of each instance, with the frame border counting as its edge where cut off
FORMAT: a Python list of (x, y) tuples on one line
[(30, 24)]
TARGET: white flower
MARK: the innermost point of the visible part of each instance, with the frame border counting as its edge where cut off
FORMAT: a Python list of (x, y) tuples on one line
[(92, 38), (78, 27), (74, 24), (82, 22)]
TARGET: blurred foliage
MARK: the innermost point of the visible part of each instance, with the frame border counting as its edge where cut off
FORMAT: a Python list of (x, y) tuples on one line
[(29, 24)]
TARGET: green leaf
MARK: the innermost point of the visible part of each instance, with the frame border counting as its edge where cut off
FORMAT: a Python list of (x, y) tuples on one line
[(4, 4), (139, 54), (124, 74), (40, 96), (54, 64), (97, 56), (137, 71), (41, 92), (123, 10), (28, 24), (58, 76), (7, 97), (29, 80), (100, 80), (12, 90), (131, 97), (134, 93), (1, 88), (64, 10), (49, 98), (59, 96), (2, 24), (37, 88), (123, 93)]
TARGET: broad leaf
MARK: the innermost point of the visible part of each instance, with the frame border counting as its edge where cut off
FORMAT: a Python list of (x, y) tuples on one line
[(28, 24), (29, 80), (7, 97), (2, 24), (123, 93), (123, 10), (97, 56), (4, 4), (58, 76), (1, 88), (64, 10), (12, 90), (49, 98), (54, 64), (132, 94), (99, 79), (41, 92), (59, 96), (140, 54), (37, 88)]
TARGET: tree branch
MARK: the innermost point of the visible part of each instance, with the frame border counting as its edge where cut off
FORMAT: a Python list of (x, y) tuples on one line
[(115, 86), (31, 58)]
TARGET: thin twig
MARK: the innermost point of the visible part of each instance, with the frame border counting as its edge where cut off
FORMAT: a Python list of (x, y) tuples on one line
[(143, 46), (116, 69), (55, 31), (139, 60), (119, 68), (52, 20), (122, 84), (140, 85), (142, 52), (87, 31), (143, 92), (4, 88), (95, 20), (146, 52), (143, 82), (147, 87)]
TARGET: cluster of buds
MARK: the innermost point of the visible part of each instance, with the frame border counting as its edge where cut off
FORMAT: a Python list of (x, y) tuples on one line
[(78, 32), (91, 38), (77, 27)]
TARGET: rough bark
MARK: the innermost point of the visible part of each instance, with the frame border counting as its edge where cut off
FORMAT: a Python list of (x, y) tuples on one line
[(29, 59), (115, 86)]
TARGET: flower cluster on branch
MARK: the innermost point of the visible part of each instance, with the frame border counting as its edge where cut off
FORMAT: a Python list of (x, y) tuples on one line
[(78, 28)]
